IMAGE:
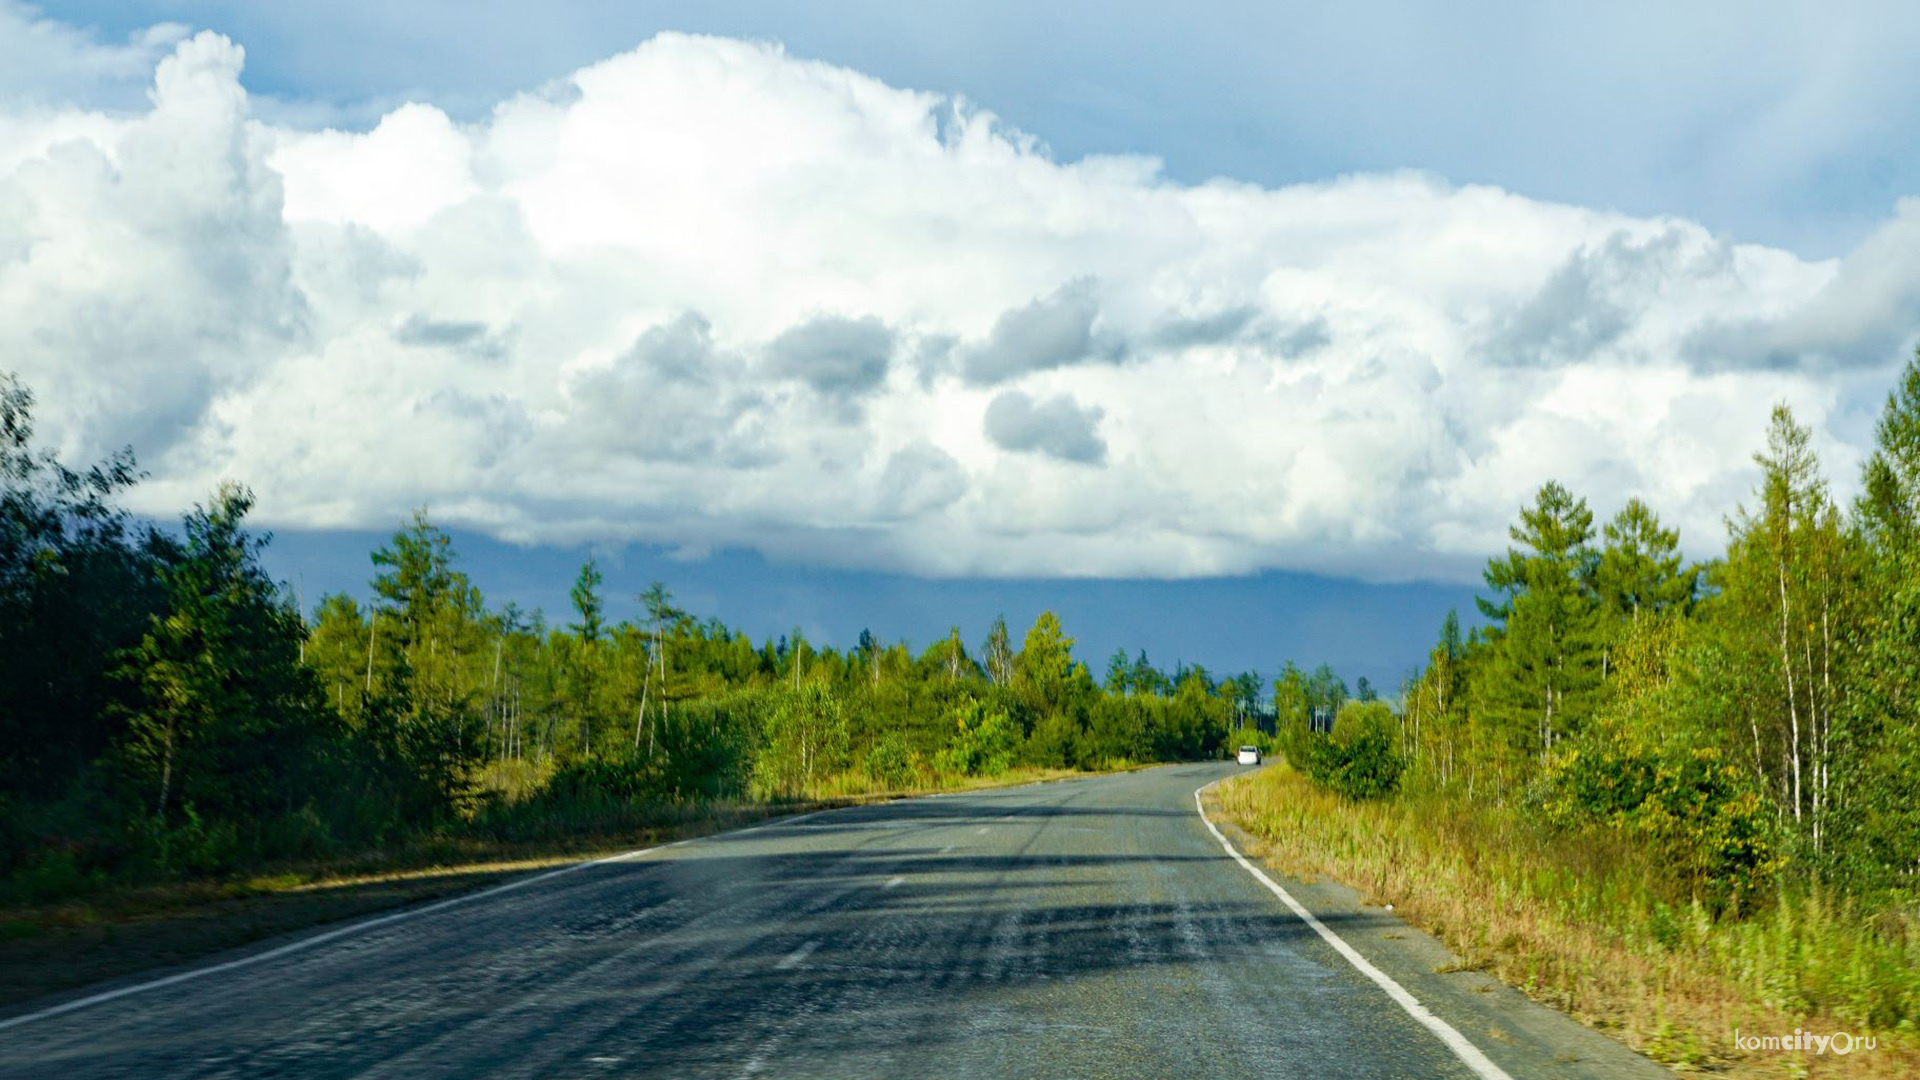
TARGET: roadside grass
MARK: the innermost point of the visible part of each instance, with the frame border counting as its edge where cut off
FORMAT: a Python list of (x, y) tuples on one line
[(124, 929), (1582, 927)]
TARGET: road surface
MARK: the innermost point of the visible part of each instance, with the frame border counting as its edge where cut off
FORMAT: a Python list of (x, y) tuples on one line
[(1087, 928)]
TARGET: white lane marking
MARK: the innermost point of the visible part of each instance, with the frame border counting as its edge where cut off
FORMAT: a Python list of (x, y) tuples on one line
[(379, 920), (982, 830), (946, 849), (1456, 1042), (864, 825), (793, 959), (894, 883)]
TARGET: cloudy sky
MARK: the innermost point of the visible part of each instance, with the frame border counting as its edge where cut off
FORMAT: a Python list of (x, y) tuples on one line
[(864, 304)]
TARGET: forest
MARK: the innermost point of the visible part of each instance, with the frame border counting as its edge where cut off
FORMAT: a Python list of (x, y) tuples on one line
[(1751, 716), (169, 711), (1749, 724), (1673, 797)]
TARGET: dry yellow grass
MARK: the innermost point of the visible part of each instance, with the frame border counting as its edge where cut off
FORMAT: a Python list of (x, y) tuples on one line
[(1576, 927)]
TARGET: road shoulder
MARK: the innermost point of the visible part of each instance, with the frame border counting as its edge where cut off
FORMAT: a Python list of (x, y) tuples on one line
[(1521, 1036)]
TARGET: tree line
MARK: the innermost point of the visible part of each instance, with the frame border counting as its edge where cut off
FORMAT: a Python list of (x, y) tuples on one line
[(1753, 718), (167, 709)]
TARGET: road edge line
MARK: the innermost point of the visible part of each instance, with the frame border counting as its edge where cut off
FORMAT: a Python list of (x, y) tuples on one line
[(1469, 1054)]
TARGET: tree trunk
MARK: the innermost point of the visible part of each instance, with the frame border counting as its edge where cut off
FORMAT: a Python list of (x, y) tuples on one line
[(373, 631), (646, 691), (1793, 705), (166, 771)]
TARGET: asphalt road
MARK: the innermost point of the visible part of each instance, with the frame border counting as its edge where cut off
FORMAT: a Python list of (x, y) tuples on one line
[(1088, 928)]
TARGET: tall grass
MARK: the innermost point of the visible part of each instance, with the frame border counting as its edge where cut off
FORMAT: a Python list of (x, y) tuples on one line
[(1590, 925)]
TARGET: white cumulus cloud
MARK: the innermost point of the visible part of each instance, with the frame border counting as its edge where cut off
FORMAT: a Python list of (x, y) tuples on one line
[(707, 294)]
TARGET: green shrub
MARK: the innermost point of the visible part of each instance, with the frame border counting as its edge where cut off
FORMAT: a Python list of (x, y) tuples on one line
[(55, 876), (890, 763), (1359, 759), (702, 750), (1715, 831), (1056, 742), (983, 744), (191, 847), (602, 781), (303, 834)]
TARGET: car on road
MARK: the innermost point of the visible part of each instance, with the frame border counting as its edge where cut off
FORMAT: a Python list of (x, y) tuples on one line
[(1249, 755)]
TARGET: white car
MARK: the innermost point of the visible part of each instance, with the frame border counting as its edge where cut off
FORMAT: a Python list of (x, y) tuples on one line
[(1249, 755)]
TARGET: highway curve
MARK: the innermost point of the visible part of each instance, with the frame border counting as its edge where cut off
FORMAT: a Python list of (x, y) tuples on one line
[(1087, 928)]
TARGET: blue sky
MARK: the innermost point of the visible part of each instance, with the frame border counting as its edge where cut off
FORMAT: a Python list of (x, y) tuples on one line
[(1231, 331)]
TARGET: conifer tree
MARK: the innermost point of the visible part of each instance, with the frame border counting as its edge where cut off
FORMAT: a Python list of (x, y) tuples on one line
[(1640, 572), (1545, 674)]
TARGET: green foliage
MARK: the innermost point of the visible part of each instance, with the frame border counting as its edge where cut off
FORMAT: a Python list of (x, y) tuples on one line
[(1709, 820), (220, 711), (1358, 759), (1746, 731), (704, 749), (984, 741), (1057, 741), (1544, 672), (52, 877), (588, 603), (891, 763), (164, 711), (806, 741), (413, 756), (1045, 670), (1639, 571), (79, 583)]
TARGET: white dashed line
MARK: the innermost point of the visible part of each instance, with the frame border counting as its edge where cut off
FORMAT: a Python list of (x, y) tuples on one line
[(793, 959), (894, 883), (381, 920)]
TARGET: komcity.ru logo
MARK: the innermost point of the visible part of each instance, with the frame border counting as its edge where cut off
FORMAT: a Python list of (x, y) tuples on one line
[(1840, 1042)]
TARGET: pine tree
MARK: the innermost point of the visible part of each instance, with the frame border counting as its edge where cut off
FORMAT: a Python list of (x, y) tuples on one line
[(1546, 672), (1640, 571), (1889, 509), (224, 717), (1119, 673), (1145, 678), (419, 580), (588, 604)]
